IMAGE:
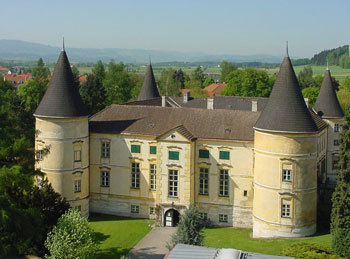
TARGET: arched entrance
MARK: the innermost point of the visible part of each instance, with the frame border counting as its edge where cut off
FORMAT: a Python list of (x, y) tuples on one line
[(171, 218)]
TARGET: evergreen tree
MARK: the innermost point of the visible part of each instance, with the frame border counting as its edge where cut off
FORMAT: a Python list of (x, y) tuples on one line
[(226, 69), (190, 228), (198, 75), (340, 219), (41, 71)]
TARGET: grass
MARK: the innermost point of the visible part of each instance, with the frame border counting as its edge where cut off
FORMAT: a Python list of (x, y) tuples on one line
[(240, 239), (117, 235)]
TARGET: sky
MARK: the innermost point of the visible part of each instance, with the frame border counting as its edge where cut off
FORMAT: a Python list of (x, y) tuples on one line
[(244, 27)]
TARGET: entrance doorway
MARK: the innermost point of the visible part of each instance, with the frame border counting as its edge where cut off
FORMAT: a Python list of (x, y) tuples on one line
[(171, 218)]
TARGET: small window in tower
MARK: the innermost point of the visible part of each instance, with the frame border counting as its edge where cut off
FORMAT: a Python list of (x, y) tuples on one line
[(77, 186), (336, 127), (77, 155), (286, 209), (245, 193), (39, 155), (287, 175), (104, 179)]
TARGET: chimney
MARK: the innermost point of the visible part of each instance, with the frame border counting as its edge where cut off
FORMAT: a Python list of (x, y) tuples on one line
[(254, 106), (186, 96), (306, 101), (163, 101), (210, 103)]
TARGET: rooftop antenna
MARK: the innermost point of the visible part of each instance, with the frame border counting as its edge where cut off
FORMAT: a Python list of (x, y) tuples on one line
[(63, 49), (287, 54)]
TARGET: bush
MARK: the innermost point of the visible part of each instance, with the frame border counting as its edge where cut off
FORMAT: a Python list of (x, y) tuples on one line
[(190, 228), (304, 250), (71, 238)]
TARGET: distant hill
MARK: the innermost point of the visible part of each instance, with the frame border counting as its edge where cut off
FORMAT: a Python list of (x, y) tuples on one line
[(338, 56), (26, 51)]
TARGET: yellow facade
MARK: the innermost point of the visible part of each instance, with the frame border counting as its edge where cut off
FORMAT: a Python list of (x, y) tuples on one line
[(67, 162), (285, 184)]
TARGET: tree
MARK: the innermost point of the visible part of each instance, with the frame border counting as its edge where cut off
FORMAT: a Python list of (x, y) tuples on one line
[(72, 238), (340, 218), (167, 84), (346, 83), (75, 73), (179, 78), (92, 91), (31, 93), (208, 81), (41, 71), (305, 77), (248, 82), (190, 228), (198, 75), (226, 69), (311, 93)]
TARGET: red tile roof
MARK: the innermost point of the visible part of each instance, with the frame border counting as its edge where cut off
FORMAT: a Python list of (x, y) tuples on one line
[(82, 79), (4, 69), (18, 79), (214, 89)]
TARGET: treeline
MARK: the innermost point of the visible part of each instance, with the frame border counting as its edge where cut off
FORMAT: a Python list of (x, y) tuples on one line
[(338, 56)]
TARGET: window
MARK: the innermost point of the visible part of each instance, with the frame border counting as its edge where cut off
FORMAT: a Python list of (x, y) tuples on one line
[(135, 149), (135, 208), (224, 182), (245, 193), (286, 175), (77, 155), (152, 210), (223, 218), (285, 209), (135, 175), (173, 181), (203, 153), (153, 176), (336, 142), (39, 155), (336, 127), (203, 215), (225, 155), (203, 181), (173, 155), (104, 179), (77, 186), (105, 149), (153, 150)]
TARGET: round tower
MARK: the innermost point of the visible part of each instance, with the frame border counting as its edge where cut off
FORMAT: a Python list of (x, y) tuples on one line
[(285, 159), (61, 121), (328, 107)]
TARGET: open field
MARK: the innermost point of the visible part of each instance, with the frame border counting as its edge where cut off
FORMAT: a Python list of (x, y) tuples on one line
[(240, 239), (117, 235)]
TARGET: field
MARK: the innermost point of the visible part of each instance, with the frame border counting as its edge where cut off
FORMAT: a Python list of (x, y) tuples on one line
[(117, 235), (240, 239), (338, 72)]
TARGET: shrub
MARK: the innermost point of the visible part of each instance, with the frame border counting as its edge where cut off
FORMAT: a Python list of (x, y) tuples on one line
[(71, 238), (304, 250)]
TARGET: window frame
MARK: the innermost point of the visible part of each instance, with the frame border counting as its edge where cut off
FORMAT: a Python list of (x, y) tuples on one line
[(224, 155), (77, 185), (223, 218), (336, 127), (39, 155), (286, 209), (224, 183), (287, 175), (77, 155), (203, 215), (135, 175), (152, 211), (173, 183), (203, 153), (203, 181), (135, 209), (153, 177), (153, 150), (105, 181), (105, 149), (135, 149)]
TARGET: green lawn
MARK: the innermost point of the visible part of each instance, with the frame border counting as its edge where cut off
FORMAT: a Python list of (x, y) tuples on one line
[(240, 239), (117, 235)]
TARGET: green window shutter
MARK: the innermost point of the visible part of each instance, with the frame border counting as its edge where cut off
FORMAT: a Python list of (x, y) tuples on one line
[(153, 150), (173, 155), (225, 155), (203, 153), (135, 149)]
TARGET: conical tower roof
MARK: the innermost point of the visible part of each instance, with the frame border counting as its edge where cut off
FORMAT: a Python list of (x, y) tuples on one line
[(62, 99), (286, 110), (149, 88), (327, 101)]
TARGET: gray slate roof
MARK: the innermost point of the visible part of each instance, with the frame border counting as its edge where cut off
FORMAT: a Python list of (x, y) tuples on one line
[(155, 121), (149, 88), (327, 101), (286, 110), (62, 98)]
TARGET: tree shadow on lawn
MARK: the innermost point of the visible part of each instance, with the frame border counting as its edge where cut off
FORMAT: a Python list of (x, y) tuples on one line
[(105, 217), (113, 252)]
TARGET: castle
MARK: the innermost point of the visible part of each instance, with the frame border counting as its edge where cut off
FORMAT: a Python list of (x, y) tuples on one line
[(246, 162)]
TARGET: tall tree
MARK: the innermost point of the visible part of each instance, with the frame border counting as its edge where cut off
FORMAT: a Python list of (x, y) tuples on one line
[(226, 69), (340, 218), (179, 78), (208, 81), (198, 75), (167, 85), (41, 71)]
